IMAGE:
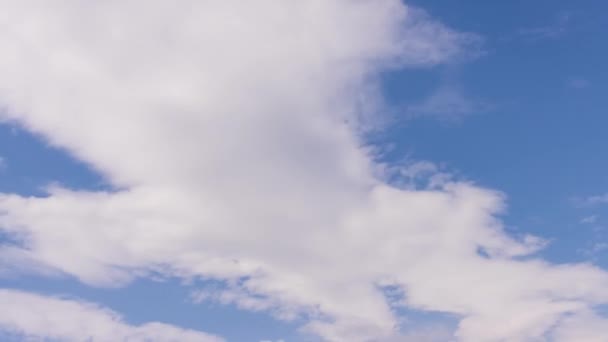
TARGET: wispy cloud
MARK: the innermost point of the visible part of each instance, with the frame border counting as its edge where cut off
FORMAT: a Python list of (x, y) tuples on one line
[(447, 103), (592, 200), (560, 25), (589, 219), (578, 82)]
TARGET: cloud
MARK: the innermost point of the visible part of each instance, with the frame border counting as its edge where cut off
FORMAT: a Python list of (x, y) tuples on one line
[(447, 103), (231, 133), (601, 199), (593, 200), (589, 219), (560, 25), (579, 83), (584, 326), (72, 320)]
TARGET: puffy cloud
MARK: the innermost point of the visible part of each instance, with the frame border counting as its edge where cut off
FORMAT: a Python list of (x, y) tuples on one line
[(72, 320), (232, 132)]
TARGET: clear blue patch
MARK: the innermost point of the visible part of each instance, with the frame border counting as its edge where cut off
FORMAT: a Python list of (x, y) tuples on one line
[(30, 165)]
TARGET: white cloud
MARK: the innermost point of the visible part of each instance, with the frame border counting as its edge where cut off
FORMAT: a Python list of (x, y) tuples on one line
[(584, 326), (223, 125), (589, 219), (36, 317)]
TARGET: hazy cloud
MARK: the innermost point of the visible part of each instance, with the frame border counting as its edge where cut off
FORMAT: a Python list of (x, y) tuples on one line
[(447, 103), (560, 25), (589, 219), (579, 83)]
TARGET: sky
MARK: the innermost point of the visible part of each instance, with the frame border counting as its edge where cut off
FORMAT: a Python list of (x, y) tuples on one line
[(286, 171)]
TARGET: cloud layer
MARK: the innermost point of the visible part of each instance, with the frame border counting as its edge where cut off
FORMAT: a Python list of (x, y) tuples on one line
[(231, 133)]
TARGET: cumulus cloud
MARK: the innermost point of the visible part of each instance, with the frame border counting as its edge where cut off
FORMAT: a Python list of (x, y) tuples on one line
[(231, 132), (35, 317)]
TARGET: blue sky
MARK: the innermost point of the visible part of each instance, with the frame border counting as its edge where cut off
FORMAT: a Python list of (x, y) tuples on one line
[(517, 108), (540, 138)]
